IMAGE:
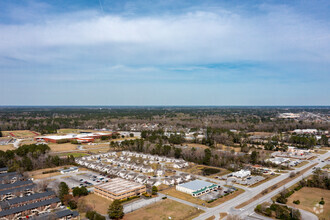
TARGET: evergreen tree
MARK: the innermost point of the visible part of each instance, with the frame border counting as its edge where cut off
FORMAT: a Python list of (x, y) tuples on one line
[(154, 190), (63, 190), (116, 210)]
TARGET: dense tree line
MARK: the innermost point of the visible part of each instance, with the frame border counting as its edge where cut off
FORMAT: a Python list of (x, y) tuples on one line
[(30, 157), (49, 119)]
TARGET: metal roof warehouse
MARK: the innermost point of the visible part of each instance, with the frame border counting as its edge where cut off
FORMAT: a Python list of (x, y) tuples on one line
[(197, 187)]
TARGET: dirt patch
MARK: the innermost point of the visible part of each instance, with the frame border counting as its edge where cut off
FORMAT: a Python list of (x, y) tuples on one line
[(62, 147), (223, 215), (163, 210), (38, 174), (309, 197), (195, 145), (7, 147), (98, 203)]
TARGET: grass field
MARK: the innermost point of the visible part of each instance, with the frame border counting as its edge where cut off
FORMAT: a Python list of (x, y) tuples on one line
[(98, 203), (62, 147), (20, 133), (198, 170), (227, 148), (37, 174), (309, 197), (78, 154), (163, 210), (196, 145), (173, 192), (7, 147), (326, 167), (321, 151)]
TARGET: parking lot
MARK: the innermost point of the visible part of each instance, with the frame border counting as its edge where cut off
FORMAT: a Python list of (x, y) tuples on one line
[(216, 193), (246, 181), (80, 178)]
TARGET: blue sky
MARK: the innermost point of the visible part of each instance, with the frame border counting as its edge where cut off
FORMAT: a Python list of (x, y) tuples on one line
[(117, 52)]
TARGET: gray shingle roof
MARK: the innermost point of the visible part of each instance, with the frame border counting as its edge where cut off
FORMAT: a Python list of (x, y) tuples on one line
[(66, 212), (18, 200), (3, 169), (18, 189), (28, 207), (8, 174), (15, 184)]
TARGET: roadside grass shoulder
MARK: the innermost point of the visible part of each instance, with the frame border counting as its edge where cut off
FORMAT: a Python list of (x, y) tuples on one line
[(272, 188), (163, 210)]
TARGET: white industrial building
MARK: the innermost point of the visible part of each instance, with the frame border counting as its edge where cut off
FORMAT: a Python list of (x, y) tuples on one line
[(70, 170), (242, 173), (197, 187)]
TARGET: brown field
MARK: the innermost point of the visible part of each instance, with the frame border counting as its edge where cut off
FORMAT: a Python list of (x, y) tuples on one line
[(223, 215), (62, 147), (196, 145), (19, 133), (309, 197), (98, 203), (95, 146), (7, 147), (184, 196), (321, 151), (227, 148), (269, 189), (37, 174), (163, 210)]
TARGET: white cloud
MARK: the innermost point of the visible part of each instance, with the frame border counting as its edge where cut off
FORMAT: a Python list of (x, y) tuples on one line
[(200, 37)]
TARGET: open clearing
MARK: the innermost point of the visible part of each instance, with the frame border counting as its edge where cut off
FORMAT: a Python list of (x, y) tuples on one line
[(38, 174), (195, 145), (198, 170), (184, 196), (98, 203), (163, 210), (7, 147), (309, 197), (20, 134), (78, 154), (227, 148), (62, 147)]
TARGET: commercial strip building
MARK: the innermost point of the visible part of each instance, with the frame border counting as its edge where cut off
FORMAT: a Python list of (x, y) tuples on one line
[(82, 138), (119, 189), (197, 187)]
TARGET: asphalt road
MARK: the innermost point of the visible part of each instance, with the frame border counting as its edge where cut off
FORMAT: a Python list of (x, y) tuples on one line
[(248, 210)]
